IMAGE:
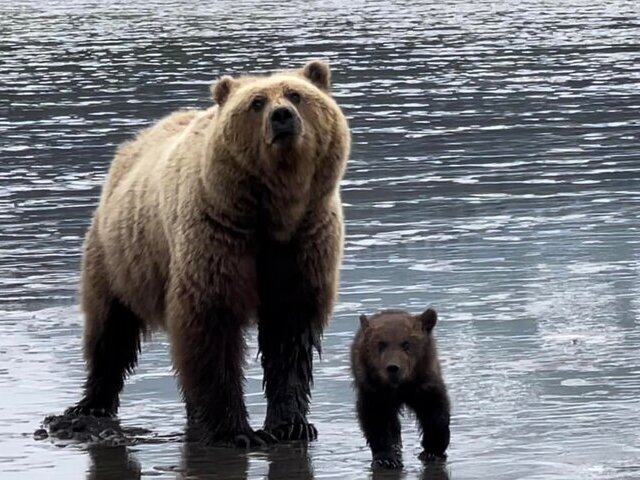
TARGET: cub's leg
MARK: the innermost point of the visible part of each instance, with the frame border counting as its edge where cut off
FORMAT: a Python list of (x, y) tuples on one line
[(431, 405), (111, 337), (378, 418), (297, 285)]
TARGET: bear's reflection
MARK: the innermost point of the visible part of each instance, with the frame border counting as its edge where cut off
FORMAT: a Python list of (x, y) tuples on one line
[(285, 461), (436, 471), (200, 462), (433, 471), (289, 462), (109, 463)]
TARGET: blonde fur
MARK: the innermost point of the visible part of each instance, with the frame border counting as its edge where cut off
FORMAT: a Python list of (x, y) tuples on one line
[(189, 208)]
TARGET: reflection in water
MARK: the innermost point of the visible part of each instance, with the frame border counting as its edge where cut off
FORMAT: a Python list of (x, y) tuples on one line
[(289, 461), (199, 462), (286, 461), (112, 463), (436, 471)]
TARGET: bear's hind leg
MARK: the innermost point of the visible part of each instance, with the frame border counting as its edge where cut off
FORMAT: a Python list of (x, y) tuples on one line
[(111, 337), (111, 346)]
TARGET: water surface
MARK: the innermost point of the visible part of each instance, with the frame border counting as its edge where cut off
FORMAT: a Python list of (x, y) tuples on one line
[(495, 175)]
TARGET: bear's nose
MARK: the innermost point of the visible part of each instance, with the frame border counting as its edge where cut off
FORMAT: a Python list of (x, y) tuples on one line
[(282, 119), (393, 369)]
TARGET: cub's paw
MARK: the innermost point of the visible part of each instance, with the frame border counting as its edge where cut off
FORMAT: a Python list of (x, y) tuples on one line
[(429, 457), (388, 460), (295, 431)]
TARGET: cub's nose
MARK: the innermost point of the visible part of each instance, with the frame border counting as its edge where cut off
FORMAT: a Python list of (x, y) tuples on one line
[(393, 369), (282, 120)]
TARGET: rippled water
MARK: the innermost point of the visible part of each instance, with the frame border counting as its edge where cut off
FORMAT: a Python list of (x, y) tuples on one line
[(495, 175)]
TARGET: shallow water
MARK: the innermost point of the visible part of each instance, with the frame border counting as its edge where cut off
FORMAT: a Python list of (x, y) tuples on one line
[(495, 175)]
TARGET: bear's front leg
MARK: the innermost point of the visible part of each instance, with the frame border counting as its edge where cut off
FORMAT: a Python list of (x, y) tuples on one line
[(431, 405), (297, 285), (208, 305), (378, 418)]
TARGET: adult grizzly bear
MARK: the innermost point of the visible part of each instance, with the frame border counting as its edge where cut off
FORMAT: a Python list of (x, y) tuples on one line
[(395, 363), (211, 219)]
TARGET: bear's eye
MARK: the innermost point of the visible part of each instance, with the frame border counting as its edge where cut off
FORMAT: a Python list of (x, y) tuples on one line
[(257, 104), (382, 346), (406, 346), (294, 97)]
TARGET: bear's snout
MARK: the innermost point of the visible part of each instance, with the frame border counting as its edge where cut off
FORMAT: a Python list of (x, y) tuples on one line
[(284, 125), (393, 373)]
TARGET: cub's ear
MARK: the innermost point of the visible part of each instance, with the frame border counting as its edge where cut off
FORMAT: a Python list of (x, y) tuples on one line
[(364, 321), (222, 88), (319, 74), (428, 319)]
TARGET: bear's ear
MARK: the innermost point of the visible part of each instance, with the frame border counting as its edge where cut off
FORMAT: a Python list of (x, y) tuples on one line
[(222, 88), (319, 74), (364, 321), (428, 319)]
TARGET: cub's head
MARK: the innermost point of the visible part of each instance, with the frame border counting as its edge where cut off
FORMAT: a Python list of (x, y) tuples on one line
[(279, 121), (397, 347)]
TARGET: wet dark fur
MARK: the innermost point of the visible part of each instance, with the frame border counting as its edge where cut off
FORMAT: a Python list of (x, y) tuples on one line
[(379, 403), (286, 343)]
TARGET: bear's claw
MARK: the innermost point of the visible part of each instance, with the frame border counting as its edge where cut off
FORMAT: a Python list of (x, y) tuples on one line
[(387, 462), (266, 436), (259, 438), (391, 459), (85, 410), (295, 431), (431, 457)]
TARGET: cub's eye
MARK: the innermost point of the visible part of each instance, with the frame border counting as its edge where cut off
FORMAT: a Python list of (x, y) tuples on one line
[(294, 97), (406, 346), (382, 346), (257, 104)]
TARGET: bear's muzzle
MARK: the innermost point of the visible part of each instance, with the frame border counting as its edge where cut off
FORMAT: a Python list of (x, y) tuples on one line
[(285, 126)]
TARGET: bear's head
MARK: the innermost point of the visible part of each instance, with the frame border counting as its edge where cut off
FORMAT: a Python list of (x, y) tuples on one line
[(395, 344), (283, 122)]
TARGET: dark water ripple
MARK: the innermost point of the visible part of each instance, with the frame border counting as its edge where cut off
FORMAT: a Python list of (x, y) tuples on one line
[(495, 174)]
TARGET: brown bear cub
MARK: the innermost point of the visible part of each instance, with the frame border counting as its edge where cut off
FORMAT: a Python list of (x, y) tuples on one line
[(211, 221), (395, 363)]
